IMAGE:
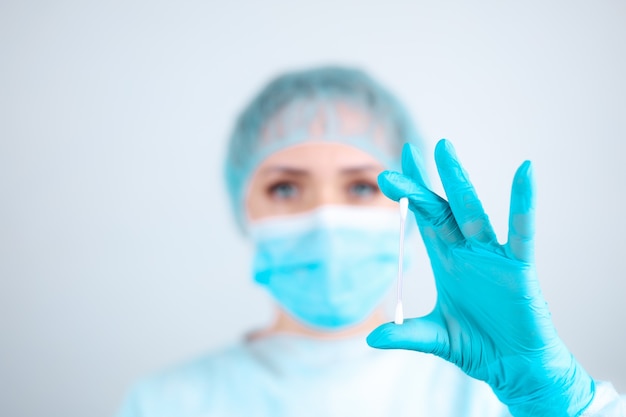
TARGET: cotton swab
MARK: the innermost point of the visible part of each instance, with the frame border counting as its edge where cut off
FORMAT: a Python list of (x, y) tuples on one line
[(404, 205)]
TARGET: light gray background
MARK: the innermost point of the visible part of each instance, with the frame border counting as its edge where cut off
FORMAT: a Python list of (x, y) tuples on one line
[(118, 255)]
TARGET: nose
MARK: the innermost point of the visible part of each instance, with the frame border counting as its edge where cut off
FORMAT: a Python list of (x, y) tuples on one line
[(327, 194)]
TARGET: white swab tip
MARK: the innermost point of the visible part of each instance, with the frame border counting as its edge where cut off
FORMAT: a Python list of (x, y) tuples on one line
[(404, 206), (399, 314)]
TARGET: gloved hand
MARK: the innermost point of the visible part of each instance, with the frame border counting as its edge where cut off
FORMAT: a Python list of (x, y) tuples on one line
[(490, 318)]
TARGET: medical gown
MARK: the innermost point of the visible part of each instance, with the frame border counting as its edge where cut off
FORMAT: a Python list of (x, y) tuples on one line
[(287, 375)]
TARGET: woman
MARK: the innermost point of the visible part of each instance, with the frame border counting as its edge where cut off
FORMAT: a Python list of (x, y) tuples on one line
[(302, 171)]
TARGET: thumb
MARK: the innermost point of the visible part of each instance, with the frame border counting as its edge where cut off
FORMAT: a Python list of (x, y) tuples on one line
[(421, 334)]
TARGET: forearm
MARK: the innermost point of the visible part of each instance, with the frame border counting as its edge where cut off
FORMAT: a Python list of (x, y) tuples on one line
[(606, 402)]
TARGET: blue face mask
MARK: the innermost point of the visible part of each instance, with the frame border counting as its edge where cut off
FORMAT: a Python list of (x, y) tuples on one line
[(329, 268)]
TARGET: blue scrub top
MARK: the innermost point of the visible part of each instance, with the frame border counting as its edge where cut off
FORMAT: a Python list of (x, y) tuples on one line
[(287, 375)]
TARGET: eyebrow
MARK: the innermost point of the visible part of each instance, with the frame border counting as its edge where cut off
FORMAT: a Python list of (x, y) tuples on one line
[(285, 170), (290, 170), (362, 168)]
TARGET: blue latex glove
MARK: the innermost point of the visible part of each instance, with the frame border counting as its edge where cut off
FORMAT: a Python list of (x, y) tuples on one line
[(490, 318)]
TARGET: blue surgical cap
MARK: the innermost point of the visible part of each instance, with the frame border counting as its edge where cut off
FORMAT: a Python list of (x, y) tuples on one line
[(282, 114)]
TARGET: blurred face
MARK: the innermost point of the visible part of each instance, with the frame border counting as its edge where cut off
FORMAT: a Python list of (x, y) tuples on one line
[(308, 175)]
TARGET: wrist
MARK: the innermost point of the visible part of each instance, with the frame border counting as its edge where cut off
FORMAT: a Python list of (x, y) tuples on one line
[(557, 392)]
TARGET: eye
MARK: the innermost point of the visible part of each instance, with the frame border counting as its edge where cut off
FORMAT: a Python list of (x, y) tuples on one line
[(283, 190), (362, 190)]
